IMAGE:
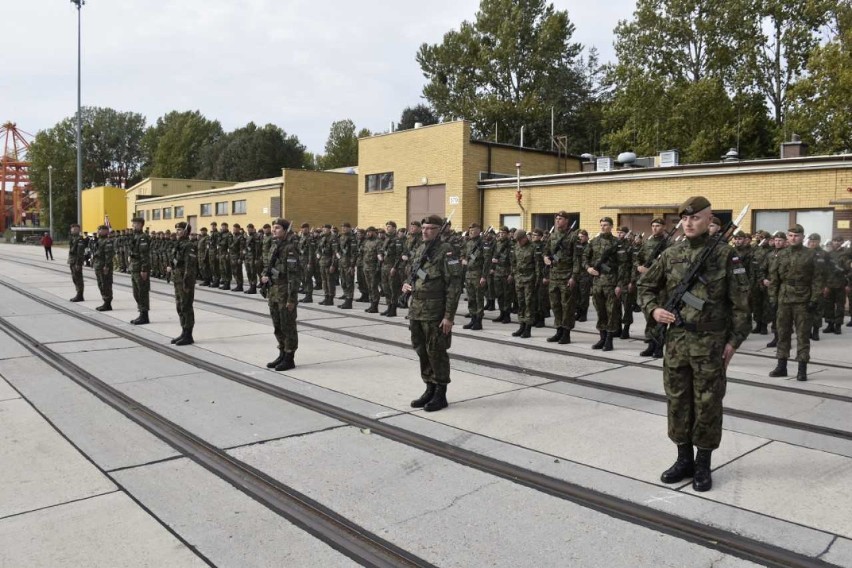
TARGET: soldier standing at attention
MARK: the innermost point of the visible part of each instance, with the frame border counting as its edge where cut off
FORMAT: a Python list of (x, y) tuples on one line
[(251, 241), (833, 293), (759, 297), (542, 299), (584, 280), (559, 256), (347, 252), (103, 254), (434, 300), (501, 267), (140, 267), (213, 256), (326, 255), (370, 251), (795, 289), (702, 342), (307, 250), (236, 254), (283, 275), (361, 279), (473, 260), (224, 255), (76, 257), (412, 240), (526, 271), (203, 245), (183, 266), (822, 265), (643, 257), (391, 256), (779, 241), (603, 263), (628, 296)]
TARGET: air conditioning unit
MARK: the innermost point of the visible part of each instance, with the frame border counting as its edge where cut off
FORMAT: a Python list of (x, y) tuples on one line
[(604, 164), (669, 158)]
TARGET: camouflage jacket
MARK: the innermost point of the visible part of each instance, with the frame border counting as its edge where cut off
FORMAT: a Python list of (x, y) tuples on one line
[(225, 240), (184, 259), (103, 252), (526, 263), (370, 249), (438, 285), (140, 252), (347, 250), (473, 257), (559, 248), (795, 277), (501, 257), (604, 255), (284, 267), (76, 249)]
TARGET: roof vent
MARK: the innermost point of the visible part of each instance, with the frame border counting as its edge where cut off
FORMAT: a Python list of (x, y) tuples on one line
[(626, 158), (604, 164), (731, 156), (669, 158), (418, 125)]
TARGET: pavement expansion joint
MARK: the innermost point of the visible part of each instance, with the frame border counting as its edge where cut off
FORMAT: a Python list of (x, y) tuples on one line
[(287, 437), (56, 505), (455, 501)]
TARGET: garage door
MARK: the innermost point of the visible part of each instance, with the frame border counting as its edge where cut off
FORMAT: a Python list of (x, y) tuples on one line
[(425, 200)]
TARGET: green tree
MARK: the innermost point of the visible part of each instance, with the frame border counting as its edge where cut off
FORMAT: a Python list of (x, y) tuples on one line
[(173, 146), (508, 68), (341, 148), (56, 147), (250, 153), (412, 115), (820, 109)]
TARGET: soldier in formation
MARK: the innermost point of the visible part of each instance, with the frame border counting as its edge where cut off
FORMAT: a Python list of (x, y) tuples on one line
[(474, 262), (103, 255), (76, 258), (525, 275), (559, 260), (327, 261), (608, 266), (283, 276), (390, 256), (645, 258), (140, 268), (183, 266), (370, 254), (347, 254)]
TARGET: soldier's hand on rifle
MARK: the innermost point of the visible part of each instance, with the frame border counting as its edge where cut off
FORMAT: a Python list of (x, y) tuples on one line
[(545, 280), (641, 269), (291, 306), (547, 261), (826, 292), (264, 279), (331, 269), (630, 287), (406, 288), (143, 275), (106, 269), (393, 271), (482, 282), (662, 316), (766, 283), (572, 282), (168, 269), (592, 271), (618, 291)]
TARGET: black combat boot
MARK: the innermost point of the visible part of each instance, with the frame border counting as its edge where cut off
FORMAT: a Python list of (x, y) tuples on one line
[(526, 334), (600, 344), (391, 311), (608, 341), (764, 329), (774, 342), (583, 315), (238, 288), (329, 301), (556, 336), (362, 299), (682, 468), (780, 369), (702, 481), (649, 351), (106, 307), (225, 286), (438, 400), (214, 284), (625, 332), (203, 283), (566, 337), (520, 330), (77, 298), (539, 322), (403, 302), (470, 324), (802, 375), (658, 350), (346, 305), (425, 397), (274, 363), (829, 328), (489, 305), (308, 299), (141, 320), (849, 323), (815, 333), (477, 323), (499, 318), (252, 289), (187, 337), (837, 329), (287, 363), (179, 337), (373, 309)]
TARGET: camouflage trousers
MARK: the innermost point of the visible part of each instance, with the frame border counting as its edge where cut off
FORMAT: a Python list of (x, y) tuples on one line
[(251, 272), (583, 292), (203, 268), (475, 294), (391, 285), (371, 281), (628, 300), (792, 317), (327, 277), (77, 277), (361, 277), (563, 302), (607, 306), (431, 346), (184, 297), (759, 304), (237, 270), (283, 320), (141, 289), (833, 307), (694, 381), (527, 301), (347, 280), (501, 292), (213, 266), (104, 282), (224, 269)]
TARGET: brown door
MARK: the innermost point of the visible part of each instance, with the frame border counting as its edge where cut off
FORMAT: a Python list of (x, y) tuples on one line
[(425, 200)]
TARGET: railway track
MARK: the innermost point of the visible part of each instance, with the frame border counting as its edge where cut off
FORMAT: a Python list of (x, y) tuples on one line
[(367, 548)]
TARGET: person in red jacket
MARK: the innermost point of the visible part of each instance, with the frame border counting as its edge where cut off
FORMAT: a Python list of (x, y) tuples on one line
[(47, 243)]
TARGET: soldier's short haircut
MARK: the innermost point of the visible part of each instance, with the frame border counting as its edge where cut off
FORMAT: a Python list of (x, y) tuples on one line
[(327, 226), (347, 225), (250, 226), (267, 226), (203, 229), (306, 225), (234, 226)]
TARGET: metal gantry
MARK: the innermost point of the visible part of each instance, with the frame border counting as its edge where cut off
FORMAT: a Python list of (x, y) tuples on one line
[(15, 178)]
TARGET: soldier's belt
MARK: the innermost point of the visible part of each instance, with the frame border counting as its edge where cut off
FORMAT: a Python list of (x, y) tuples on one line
[(719, 325), (429, 295)]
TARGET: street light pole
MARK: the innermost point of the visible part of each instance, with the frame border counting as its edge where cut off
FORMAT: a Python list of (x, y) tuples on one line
[(50, 198), (79, 4)]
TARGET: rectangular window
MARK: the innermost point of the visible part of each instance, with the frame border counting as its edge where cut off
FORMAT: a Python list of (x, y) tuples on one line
[(155, 214), (379, 182), (179, 212), (167, 212), (221, 208), (238, 207), (206, 209), (511, 221), (275, 206)]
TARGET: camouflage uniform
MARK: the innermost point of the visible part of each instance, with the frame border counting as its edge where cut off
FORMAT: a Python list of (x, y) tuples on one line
[(526, 272), (370, 250), (326, 255), (473, 259), (285, 274), (501, 268), (604, 255), (835, 282), (643, 257), (252, 239), (307, 250), (76, 258), (628, 294), (203, 245), (213, 258), (391, 256), (184, 264), (347, 251), (236, 254), (103, 255), (140, 262), (559, 249), (224, 257), (759, 297), (583, 290)]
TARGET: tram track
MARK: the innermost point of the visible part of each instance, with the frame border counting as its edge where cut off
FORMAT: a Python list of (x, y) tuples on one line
[(343, 535)]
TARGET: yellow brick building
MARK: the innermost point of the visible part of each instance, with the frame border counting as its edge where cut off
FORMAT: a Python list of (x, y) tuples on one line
[(405, 175), (100, 202), (813, 191), (308, 196)]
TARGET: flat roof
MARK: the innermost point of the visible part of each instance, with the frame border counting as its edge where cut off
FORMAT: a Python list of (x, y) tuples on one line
[(254, 185)]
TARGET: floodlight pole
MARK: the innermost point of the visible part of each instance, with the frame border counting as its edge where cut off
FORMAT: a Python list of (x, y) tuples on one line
[(79, 4)]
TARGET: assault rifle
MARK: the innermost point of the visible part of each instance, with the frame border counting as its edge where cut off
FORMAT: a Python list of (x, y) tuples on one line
[(602, 265), (661, 246), (417, 267), (682, 294)]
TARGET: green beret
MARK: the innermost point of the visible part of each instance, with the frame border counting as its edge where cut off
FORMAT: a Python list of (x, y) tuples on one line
[(180, 225), (371, 229), (285, 224), (779, 235), (623, 230), (393, 224), (583, 232), (430, 220), (607, 220), (657, 221), (520, 234), (814, 237), (693, 205), (415, 223), (103, 227), (538, 232), (138, 220), (563, 214), (798, 229)]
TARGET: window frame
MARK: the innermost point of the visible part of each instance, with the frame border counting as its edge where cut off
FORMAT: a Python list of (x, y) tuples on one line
[(167, 213), (181, 209), (225, 208), (201, 212), (156, 214), (378, 181), (234, 207)]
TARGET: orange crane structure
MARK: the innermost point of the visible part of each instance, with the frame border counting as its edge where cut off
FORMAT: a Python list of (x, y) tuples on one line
[(15, 179)]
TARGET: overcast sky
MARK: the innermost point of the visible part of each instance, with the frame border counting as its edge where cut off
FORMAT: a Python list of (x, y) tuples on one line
[(300, 64)]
